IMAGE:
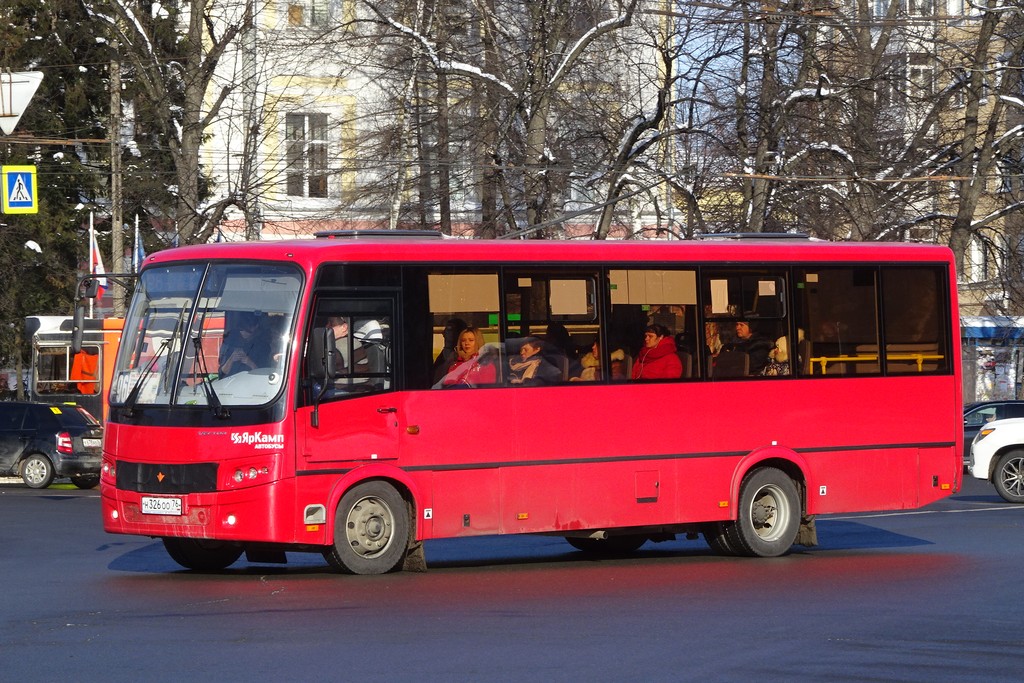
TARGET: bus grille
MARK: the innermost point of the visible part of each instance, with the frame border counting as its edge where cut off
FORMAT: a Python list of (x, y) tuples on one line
[(146, 478)]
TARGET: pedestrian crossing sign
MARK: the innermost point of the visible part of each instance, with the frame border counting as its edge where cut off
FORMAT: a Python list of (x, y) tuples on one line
[(19, 189)]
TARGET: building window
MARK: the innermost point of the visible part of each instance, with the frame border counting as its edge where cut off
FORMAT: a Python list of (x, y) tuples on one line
[(306, 136), (921, 8), (921, 75), (308, 12)]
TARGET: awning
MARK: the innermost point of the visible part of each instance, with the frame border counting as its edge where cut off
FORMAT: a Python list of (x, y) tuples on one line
[(995, 327)]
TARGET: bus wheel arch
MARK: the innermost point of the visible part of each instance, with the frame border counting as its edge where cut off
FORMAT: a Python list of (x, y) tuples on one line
[(768, 515), (374, 528)]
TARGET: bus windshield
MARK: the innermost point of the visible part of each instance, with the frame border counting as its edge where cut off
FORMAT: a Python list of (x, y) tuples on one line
[(207, 334)]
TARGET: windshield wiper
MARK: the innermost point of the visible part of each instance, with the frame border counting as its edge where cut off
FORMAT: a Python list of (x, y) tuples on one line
[(133, 395), (219, 411)]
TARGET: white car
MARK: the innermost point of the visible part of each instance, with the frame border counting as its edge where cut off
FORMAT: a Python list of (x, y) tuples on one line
[(997, 454)]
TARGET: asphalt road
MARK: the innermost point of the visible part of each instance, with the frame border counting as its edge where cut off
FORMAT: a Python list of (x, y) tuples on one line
[(929, 595)]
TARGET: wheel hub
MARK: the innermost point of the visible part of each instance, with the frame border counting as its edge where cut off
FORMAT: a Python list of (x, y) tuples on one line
[(369, 526), (763, 513)]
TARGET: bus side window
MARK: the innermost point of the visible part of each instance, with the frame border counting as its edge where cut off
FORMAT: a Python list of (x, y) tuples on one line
[(464, 310), (653, 325), (836, 309), (913, 302)]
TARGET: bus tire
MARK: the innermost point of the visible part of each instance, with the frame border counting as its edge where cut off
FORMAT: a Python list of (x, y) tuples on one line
[(1008, 476), (769, 514), (86, 481), (371, 530), (608, 547), (37, 471), (202, 554), (716, 535)]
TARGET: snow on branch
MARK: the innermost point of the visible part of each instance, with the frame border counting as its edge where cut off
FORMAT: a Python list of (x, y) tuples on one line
[(997, 214), (448, 66), (606, 26)]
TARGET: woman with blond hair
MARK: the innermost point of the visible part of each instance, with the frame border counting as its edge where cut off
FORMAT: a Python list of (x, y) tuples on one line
[(468, 369)]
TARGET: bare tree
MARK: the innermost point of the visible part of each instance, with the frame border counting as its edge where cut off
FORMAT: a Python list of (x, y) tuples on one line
[(176, 75)]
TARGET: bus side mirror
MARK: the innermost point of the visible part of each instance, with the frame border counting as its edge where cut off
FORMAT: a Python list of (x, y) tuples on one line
[(321, 354), (90, 287), (77, 326)]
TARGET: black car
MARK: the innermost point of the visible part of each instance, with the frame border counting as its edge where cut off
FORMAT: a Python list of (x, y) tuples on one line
[(41, 441), (977, 415)]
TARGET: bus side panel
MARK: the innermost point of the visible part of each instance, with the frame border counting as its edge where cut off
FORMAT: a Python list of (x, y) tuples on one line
[(845, 483), (465, 503)]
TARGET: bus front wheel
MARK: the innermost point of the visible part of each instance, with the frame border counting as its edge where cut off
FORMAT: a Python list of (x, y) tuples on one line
[(371, 530), (769, 514), (202, 554)]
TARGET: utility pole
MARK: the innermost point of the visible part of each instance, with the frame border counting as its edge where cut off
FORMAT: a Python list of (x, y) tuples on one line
[(116, 214)]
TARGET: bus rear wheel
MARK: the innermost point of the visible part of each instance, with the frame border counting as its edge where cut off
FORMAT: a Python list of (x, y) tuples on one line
[(769, 515), (608, 547), (717, 536), (1009, 477), (202, 554), (371, 530)]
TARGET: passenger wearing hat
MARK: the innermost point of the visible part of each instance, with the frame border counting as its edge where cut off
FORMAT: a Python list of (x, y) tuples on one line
[(754, 344)]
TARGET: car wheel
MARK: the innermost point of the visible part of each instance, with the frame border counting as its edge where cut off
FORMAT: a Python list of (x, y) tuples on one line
[(1008, 476), (37, 471), (86, 481)]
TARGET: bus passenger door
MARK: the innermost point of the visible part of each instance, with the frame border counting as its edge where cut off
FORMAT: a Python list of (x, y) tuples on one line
[(357, 420)]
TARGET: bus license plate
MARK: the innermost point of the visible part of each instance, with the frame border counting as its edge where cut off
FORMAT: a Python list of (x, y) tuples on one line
[(161, 506)]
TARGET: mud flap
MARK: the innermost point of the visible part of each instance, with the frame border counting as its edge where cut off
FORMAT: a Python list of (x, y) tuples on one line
[(807, 535), (415, 560)]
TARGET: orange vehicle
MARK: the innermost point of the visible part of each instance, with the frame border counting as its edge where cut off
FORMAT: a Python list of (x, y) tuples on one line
[(59, 374)]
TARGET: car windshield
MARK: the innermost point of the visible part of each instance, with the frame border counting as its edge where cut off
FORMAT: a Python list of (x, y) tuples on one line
[(207, 334)]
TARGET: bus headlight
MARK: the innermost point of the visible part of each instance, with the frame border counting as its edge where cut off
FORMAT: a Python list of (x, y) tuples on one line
[(259, 469)]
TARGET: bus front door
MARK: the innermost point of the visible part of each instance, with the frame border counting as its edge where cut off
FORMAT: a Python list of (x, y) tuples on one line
[(357, 419)]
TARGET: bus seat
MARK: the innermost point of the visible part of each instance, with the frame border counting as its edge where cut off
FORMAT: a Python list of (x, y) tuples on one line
[(686, 358), (731, 364), (803, 351)]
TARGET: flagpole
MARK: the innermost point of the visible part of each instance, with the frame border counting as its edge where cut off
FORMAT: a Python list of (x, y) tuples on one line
[(135, 250), (92, 237)]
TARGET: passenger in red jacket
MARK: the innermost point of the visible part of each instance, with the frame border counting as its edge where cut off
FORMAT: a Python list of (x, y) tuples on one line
[(657, 359)]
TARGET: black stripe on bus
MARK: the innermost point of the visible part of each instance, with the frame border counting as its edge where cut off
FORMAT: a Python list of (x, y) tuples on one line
[(622, 458)]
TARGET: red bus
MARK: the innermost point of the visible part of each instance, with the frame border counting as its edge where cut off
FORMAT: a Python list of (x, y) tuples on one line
[(612, 393), (59, 374)]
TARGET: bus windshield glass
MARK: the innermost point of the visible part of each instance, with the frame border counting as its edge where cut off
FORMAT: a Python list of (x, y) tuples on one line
[(207, 334)]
